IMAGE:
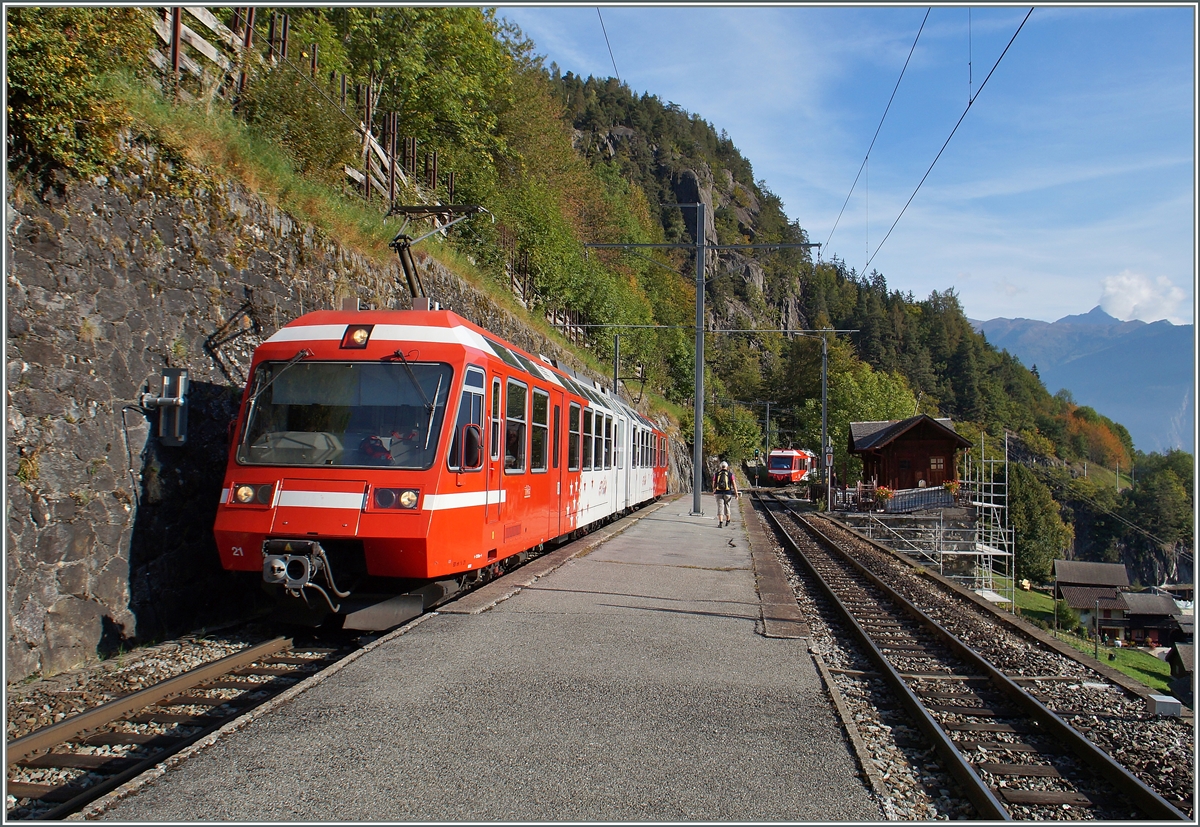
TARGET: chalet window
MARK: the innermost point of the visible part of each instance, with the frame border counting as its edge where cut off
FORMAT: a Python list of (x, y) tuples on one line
[(937, 463), (1107, 613), (905, 465)]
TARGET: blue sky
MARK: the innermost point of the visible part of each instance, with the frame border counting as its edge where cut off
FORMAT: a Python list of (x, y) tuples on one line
[(1070, 183)]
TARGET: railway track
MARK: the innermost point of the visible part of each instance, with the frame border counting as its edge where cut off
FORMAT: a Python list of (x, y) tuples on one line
[(59, 769), (1011, 756)]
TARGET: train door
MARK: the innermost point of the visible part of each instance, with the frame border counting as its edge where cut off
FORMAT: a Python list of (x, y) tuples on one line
[(467, 456), (620, 480), (571, 496), (517, 487), (610, 474), (558, 524), (494, 498), (543, 522)]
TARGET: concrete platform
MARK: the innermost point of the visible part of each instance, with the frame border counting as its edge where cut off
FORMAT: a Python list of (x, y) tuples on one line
[(625, 680)]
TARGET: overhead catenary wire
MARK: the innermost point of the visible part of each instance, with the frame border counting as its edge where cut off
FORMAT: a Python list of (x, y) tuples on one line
[(951, 135), (881, 120), (609, 45)]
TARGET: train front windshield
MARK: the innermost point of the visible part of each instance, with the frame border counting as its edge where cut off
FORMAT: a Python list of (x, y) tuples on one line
[(345, 414), (781, 463)]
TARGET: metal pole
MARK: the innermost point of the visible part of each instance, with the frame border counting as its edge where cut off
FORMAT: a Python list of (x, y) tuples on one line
[(1096, 625), (698, 449), (825, 446), (767, 454), (768, 429), (616, 362)]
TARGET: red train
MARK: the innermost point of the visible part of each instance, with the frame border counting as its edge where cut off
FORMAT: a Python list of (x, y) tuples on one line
[(788, 466), (384, 459)]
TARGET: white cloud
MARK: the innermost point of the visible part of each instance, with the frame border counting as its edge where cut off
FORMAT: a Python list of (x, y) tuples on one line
[(1131, 295)]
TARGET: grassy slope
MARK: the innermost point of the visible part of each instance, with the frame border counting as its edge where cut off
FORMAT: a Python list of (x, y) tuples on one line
[(224, 147)]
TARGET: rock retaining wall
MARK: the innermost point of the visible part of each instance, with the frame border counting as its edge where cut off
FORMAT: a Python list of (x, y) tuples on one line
[(109, 533)]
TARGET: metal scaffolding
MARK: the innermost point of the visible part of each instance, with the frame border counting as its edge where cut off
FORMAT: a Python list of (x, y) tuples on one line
[(985, 487)]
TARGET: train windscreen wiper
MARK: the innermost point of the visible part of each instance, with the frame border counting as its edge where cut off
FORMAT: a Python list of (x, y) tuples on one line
[(304, 352)]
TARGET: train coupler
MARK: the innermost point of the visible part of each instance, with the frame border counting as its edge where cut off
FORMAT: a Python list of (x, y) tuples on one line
[(294, 564)]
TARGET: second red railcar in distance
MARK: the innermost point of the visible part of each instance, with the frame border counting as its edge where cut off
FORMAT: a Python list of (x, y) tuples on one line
[(788, 466)]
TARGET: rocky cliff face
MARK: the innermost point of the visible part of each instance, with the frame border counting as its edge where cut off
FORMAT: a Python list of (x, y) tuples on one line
[(109, 532), (692, 181)]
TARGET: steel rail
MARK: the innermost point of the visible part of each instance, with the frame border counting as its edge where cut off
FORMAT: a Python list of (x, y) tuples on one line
[(70, 728), (76, 725), (1141, 795), (1149, 801), (975, 788)]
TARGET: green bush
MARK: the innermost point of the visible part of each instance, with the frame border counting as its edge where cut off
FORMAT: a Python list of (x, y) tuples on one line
[(283, 106), (60, 115), (1068, 618)]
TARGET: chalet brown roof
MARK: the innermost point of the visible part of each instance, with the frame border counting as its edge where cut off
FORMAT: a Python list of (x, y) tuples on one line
[(1085, 597), (1090, 574), (1184, 654), (1150, 604), (868, 436)]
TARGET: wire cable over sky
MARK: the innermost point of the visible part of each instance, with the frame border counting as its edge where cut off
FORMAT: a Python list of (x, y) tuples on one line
[(609, 45), (952, 131), (876, 135)]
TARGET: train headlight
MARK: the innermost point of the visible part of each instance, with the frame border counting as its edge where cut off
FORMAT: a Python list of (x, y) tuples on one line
[(253, 494), (357, 336), (405, 498)]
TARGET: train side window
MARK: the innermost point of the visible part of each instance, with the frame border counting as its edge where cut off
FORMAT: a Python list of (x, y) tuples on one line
[(637, 447), (470, 412), (515, 428), (587, 439), (608, 439), (618, 447), (496, 417), (598, 441), (556, 439), (573, 438), (539, 441)]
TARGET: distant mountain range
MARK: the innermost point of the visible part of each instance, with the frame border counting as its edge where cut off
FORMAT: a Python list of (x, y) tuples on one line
[(1136, 373)]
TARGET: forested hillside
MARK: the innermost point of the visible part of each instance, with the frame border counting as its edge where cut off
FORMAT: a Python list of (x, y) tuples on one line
[(561, 161)]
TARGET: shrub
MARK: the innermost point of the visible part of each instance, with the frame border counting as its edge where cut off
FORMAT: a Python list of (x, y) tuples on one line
[(283, 106), (59, 112)]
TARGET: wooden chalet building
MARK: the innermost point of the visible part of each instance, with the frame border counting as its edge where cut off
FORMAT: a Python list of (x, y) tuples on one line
[(1088, 586), (917, 452), (1153, 619)]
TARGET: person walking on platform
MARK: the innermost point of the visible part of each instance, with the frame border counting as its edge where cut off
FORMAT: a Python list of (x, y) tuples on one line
[(725, 487)]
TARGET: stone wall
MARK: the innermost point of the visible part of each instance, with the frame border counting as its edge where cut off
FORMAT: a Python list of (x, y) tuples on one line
[(109, 532)]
